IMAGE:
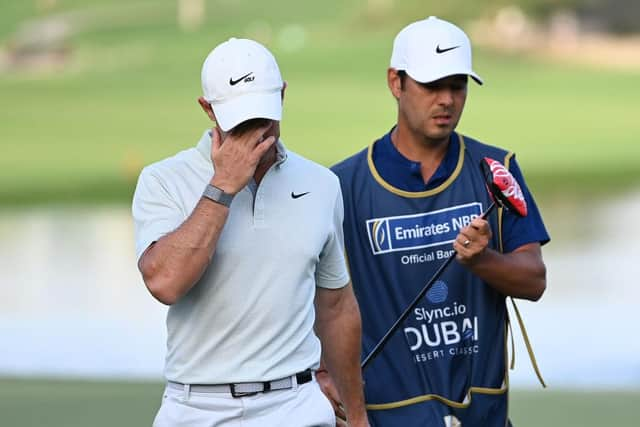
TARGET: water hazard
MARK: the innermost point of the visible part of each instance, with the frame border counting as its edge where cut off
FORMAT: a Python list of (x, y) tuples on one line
[(72, 303)]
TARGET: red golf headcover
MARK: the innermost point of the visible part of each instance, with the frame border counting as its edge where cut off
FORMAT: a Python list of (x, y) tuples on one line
[(503, 186)]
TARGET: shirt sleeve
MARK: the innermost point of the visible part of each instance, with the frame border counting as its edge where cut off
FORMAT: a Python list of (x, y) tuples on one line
[(155, 212), (332, 269), (516, 230)]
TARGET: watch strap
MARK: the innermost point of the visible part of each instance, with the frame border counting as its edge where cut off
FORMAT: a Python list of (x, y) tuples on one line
[(217, 195)]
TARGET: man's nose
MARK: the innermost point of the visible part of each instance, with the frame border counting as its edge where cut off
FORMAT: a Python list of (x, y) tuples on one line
[(445, 96)]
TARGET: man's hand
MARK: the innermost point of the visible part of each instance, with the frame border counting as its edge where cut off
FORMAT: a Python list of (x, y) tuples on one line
[(329, 389), (520, 273), (338, 327), (472, 241), (236, 157)]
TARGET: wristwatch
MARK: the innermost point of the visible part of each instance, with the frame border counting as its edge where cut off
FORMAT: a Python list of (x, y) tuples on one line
[(217, 195)]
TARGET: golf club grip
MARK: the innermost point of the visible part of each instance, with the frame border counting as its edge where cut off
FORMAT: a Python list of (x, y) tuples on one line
[(383, 341)]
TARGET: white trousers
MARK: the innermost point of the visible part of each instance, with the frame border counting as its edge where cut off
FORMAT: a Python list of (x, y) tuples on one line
[(302, 406)]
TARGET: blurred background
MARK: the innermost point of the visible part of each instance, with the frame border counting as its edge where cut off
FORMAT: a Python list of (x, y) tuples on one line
[(91, 91)]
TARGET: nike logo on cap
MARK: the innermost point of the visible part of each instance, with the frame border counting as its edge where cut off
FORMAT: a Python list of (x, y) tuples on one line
[(438, 50), (235, 82)]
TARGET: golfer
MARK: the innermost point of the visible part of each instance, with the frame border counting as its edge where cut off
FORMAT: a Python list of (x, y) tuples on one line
[(242, 238)]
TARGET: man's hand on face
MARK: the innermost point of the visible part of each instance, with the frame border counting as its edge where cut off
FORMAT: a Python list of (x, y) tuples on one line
[(236, 157)]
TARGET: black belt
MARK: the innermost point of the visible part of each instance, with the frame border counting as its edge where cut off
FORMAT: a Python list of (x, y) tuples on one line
[(247, 389)]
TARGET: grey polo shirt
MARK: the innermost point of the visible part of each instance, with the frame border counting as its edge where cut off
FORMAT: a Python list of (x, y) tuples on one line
[(250, 317)]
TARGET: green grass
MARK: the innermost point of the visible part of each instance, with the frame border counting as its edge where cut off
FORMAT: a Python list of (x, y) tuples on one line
[(57, 403), (562, 408), (128, 97), (54, 403)]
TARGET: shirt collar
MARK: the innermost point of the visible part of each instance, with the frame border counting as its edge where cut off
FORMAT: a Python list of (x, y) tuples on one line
[(385, 148), (405, 174)]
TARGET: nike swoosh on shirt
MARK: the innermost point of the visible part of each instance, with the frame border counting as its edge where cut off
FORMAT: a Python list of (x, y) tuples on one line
[(296, 196)]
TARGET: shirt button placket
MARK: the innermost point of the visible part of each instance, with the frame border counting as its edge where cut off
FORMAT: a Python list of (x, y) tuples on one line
[(258, 214)]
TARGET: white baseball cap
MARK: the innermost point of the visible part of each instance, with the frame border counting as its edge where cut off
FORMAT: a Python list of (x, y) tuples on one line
[(432, 49), (241, 80)]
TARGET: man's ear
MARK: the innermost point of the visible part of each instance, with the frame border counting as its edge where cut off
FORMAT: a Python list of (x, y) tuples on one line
[(394, 82), (206, 107)]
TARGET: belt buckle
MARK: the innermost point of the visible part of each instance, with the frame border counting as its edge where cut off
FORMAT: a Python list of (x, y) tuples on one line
[(235, 393)]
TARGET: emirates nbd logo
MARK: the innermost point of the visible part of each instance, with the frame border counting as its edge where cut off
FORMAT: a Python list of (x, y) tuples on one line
[(407, 232), (379, 235)]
